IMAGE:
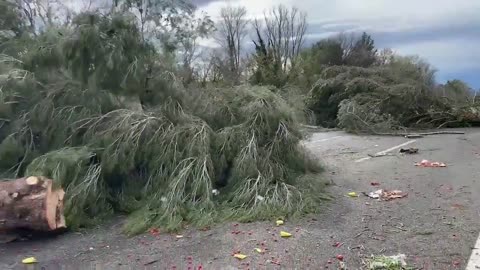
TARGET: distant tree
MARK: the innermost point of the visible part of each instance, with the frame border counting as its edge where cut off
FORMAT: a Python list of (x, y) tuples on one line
[(385, 57), (413, 69), (205, 68), (457, 91), (188, 48), (173, 27), (165, 21), (107, 52), (278, 44), (39, 15), (362, 53), (211, 67), (342, 49), (189, 53), (11, 21), (231, 33), (347, 42), (327, 52), (27, 11)]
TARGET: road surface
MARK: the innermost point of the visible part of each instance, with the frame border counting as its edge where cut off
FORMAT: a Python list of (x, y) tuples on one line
[(436, 226)]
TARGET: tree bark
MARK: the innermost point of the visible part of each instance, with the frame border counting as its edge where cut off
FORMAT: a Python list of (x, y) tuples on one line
[(31, 203)]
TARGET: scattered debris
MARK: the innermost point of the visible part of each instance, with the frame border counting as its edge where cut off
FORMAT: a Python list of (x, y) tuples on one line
[(341, 266), (240, 256), (413, 136), (362, 232), (386, 195), (179, 236), (348, 152), (397, 262), (259, 250), (352, 194), (151, 262), (394, 194), (361, 247), (383, 154), (409, 151), (375, 194), (279, 222), (375, 184), (427, 163), (285, 234), (215, 192), (154, 231), (260, 198), (424, 233), (275, 262), (340, 257), (337, 244), (459, 206), (29, 260), (236, 232)]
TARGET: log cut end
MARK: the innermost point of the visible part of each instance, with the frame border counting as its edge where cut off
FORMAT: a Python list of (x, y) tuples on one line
[(54, 210), (31, 203), (32, 181)]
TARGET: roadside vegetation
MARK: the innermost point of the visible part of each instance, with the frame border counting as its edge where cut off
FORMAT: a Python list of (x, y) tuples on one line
[(123, 108)]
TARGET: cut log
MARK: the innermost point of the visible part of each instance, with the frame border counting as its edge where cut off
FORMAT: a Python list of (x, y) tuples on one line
[(31, 203)]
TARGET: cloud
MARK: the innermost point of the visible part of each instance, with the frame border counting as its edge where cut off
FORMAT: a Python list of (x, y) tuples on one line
[(390, 13), (448, 56), (375, 16)]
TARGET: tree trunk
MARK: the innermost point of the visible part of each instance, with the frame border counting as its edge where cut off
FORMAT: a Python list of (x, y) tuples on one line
[(31, 203)]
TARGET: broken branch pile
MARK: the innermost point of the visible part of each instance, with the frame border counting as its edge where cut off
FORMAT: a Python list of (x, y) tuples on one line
[(380, 100)]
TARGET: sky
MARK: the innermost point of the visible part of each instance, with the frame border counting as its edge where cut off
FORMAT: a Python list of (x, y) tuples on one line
[(446, 33)]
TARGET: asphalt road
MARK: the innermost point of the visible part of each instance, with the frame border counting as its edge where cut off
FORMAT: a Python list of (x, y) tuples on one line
[(435, 226)]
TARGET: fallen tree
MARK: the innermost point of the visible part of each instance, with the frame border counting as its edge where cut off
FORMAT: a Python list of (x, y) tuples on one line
[(187, 156), (377, 100), (31, 203), (162, 164)]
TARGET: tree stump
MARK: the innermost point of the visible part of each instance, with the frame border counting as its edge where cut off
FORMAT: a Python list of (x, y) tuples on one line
[(31, 203)]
